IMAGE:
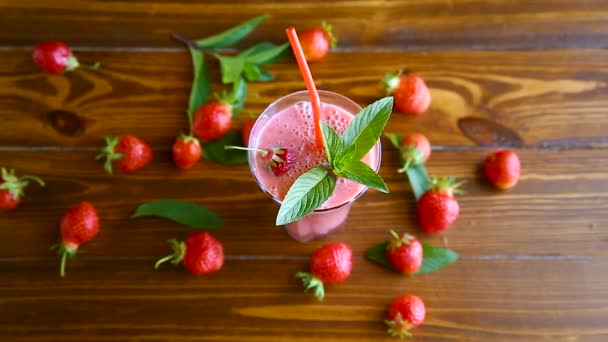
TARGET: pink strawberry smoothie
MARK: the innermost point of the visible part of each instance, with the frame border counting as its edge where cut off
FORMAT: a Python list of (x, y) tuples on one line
[(291, 127)]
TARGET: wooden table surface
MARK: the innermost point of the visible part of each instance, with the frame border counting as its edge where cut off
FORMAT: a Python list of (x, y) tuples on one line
[(530, 75)]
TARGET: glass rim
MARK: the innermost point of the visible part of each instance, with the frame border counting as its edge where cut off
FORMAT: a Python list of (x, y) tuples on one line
[(251, 154)]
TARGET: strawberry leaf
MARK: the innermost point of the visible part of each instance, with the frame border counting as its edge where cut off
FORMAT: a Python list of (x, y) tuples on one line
[(186, 213), (306, 194), (216, 151), (367, 126), (201, 85), (232, 35), (360, 172), (433, 258), (418, 178)]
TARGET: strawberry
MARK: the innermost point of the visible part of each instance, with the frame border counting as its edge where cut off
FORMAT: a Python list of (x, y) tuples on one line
[(56, 57), (200, 254), (329, 264), (410, 92), (11, 189), (212, 120), (187, 151), (79, 225), (246, 131), (502, 169), (437, 208), (128, 151), (405, 313), (278, 160), (317, 41), (405, 253), (415, 149)]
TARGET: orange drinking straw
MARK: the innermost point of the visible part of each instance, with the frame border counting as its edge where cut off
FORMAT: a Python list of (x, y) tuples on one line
[(315, 101)]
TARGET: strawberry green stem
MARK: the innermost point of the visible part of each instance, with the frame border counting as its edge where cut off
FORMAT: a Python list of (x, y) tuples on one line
[(34, 178), (179, 251), (93, 67), (65, 251), (64, 258), (109, 153), (264, 153), (311, 282)]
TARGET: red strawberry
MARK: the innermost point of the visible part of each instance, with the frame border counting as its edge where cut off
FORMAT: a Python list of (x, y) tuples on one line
[(200, 254), (79, 225), (212, 121), (317, 41), (246, 132), (405, 313), (56, 57), (329, 264), (437, 208), (11, 189), (410, 92), (187, 151), (416, 149), (405, 253), (129, 152), (278, 160), (502, 169)]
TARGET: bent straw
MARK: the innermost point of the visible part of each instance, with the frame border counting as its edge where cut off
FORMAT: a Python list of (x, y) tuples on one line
[(315, 101)]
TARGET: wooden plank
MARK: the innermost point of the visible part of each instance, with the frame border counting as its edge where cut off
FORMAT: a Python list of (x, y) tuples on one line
[(559, 207), (413, 25), (479, 98), (473, 300)]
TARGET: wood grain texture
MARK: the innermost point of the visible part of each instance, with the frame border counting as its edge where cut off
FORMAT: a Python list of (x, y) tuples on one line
[(473, 300), (411, 25), (554, 211), (479, 98)]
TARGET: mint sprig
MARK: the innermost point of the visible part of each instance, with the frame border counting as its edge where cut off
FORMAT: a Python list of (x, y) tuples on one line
[(344, 154), (231, 36), (417, 174)]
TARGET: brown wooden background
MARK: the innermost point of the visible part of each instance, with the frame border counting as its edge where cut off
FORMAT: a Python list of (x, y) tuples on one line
[(531, 75)]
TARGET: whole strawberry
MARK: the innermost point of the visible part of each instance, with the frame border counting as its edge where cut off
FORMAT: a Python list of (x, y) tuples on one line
[(405, 253), (200, 254), (316, 42), (502, 169), (277, 160), (410, 92), (416, 149), (128, 152), (212, 121), (55, 57), (405, 313), (186, 151), (246, 131), (79, 225), (12, 189), (438, 208), (329, 264)]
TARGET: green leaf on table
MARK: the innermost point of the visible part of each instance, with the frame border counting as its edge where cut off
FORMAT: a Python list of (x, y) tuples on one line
[(418, 178), (334, 147), (232, 35), (256, 73), (216, 152), (306, 194), (395, 139), (433, 258), (367, 126), (185, 213), (360, 172), (268, 54), (201, 84), (237, 96), (231, 68)]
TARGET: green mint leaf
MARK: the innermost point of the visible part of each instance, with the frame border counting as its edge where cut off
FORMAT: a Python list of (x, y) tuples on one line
[(360, 172), (255, 73), (334, 147), (418, 178), (231, 68), (216, 152), (185, 213), (201, 84), (267, 55), (395, 139), (238, 96), (367, 126), (259, 48), (433, 258), (232, 35), (306, 194)]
